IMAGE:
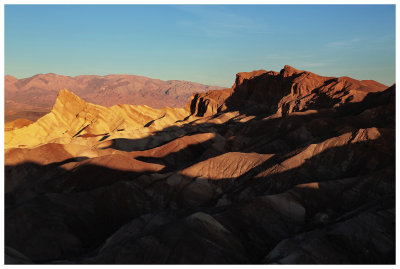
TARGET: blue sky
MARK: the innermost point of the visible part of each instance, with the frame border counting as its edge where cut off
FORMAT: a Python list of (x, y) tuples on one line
[(202, 43)]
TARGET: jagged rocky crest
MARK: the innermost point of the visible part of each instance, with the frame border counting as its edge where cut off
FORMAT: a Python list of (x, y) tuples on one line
[(287, 167), (288, 91)]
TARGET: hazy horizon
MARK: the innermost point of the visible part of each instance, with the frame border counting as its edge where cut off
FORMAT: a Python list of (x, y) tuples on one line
[(207, 44)]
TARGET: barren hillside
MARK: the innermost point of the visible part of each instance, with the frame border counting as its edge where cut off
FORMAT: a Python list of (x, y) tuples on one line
[(285, 167)]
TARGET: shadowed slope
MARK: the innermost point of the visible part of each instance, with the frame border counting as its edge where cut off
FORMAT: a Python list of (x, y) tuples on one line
[(286, 92)]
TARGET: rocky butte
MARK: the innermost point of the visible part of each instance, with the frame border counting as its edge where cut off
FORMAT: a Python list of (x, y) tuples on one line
[(284, 167)]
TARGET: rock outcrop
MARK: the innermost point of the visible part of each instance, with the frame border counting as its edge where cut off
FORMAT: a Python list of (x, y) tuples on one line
[(288, 91), (73, 120)]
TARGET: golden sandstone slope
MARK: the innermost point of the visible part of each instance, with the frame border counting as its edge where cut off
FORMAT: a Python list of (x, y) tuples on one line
[(74, 121), (284, 167)]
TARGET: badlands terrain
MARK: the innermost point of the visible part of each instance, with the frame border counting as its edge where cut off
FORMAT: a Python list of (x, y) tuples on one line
[(284, 167), (33, 97)]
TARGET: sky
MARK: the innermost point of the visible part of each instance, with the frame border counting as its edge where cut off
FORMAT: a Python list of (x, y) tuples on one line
[(208, 44)]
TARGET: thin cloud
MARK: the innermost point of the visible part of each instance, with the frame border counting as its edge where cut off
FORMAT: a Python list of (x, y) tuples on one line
[(313, 64), (286, 56), (343, 43), (220, 22)]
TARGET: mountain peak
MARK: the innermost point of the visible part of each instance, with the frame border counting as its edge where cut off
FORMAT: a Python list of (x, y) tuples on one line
[(9, 78), (67, 99), (65, 95), (288, 71), (241, 76)]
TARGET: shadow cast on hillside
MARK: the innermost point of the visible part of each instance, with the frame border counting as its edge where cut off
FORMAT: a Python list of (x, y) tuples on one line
[(251, 95), (273, 126), (66, 213), (109, 203)]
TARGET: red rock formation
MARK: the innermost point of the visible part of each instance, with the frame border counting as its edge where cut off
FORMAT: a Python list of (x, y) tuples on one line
[(286, 92)]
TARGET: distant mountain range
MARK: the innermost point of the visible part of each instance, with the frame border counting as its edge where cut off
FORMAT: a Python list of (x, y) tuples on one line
[(33, 97)]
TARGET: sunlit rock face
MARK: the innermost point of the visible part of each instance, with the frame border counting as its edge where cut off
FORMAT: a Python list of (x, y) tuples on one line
[(285, 167), (288, 91)]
